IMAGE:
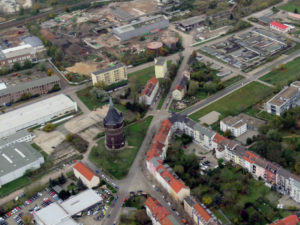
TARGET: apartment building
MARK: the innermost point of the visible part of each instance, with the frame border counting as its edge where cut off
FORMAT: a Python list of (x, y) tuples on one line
[(149, 92), (37, 87), (160, 66), (235, 124), (110, 75), (285, 99)]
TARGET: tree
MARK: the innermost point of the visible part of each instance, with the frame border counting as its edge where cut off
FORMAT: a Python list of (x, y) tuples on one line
[(231, 17), (206, 200), (179, 169), (244, 214), (63, 195), (16, 66), (49, 127), (297, 167), (228, 133), (296, 11), (249, 141), (27, 219), (41, 66), (99, 94), (62, 179), (141, 217), (193, 88), (80, 185), (21, 12), (27, 64)]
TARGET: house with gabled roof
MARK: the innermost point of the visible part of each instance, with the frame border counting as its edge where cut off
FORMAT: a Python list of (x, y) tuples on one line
[(149, 92), (86, 175)]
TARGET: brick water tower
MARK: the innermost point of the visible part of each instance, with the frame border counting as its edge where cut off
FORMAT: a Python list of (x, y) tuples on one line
[(114, 124)]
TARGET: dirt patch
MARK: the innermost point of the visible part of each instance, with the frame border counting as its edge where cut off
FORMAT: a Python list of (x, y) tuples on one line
[(47, 34), (83, 68), (48, 141)]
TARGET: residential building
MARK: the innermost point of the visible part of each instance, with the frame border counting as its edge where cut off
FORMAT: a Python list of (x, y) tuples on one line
[(161, 68), (295, 188), (199, 213), (249, 160), (270, 173), (87, 176), (35, 43), (149, 92), (141, 27), (180, 90), (158, 214), (114, 128), (16, 159), (110, 75), (283, 181), (259, 167), (36, 87), (234, 124), (294, 16), (191, 23), (279, 27), (289, 220), (36, 114), (285, 99)]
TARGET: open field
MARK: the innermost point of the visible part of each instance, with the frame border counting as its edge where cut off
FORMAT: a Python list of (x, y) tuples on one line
[(141, 77), (237, 101), (118, 163), (14, 185), (291, 6), (283, 74)]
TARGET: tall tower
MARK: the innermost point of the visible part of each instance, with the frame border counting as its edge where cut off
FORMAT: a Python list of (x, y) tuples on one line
[(113, 124)]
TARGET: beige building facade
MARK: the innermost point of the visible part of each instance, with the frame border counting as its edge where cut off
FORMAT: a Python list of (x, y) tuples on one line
[(110, 75)]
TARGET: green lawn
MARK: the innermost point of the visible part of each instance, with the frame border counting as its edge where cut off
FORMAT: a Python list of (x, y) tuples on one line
[(118, 163), (161, 102), (85, 96), (142, 76), (233, 80), (291, 6), (237, 101), (14, 185), (282, 76)]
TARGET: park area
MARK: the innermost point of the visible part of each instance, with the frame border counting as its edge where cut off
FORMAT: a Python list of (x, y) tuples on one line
[(118, 163), (291, 6), (236, 102), (140, 78), (283, 74)]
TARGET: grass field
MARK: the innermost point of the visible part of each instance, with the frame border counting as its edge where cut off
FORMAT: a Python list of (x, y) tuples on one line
[(161, 102), (237, 101), (85, 96), (233, 80), (14, 185), (118, 163), (142, 76), (283, 75), (291, 6)]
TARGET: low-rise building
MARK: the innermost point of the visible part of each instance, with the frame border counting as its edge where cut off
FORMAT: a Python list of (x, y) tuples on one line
[(16, 159), (192, 23), (289, 220), (19, 137), (87, 176), (235, 124), (161, 68), (294, 16), (110, 75), (279, 27), (180, 90), (141, 27), (198, 212), (158, 214), (284, 100), (149, 92), (37, 87)]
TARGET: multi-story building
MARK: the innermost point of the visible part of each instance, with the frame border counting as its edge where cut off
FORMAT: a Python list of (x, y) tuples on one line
[(181, 89), (160, 67), (149, 92), (110, 75), (37, 87), (158, 214), (279, 27), (138, 28), (87, 176), (284, 100), (198, 212), (235, 124), (295, 188)]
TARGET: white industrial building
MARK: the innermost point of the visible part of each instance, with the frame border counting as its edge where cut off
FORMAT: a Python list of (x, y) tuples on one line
[(63, 212), (36, 114), (16, 159), (19, 137)]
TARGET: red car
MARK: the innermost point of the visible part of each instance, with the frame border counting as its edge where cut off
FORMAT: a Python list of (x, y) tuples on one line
[(8, 214), (14, 74)]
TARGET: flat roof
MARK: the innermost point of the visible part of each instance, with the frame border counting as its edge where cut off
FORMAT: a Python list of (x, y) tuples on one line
[(109, 68), (54, 214), (2, 86), (17, 51), (283, 96), (28, 85), (14, 137), (30, 113), (192, 20), (16, 156), (33, 41), (80, 202)]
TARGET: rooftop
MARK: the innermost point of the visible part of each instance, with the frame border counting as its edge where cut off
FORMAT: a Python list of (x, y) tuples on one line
[(86, 172), (110, 68), (112, 117), (284, 95), (28, 85), (160, 61), (151, 84), (289, 220), (192, 20), (17, 155), (33, 41), (279, 25)]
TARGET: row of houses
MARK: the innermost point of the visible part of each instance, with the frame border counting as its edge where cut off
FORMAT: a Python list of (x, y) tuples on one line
[(284, 181)]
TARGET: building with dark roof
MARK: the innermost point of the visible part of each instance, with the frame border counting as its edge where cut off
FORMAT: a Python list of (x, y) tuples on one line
[(114, 124), (37, 87), (192, 22)]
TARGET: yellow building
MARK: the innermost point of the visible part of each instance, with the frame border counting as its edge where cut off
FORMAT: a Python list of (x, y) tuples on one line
[(110, 75), (160, 67)]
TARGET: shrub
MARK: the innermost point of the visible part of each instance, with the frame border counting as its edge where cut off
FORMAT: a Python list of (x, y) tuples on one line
[(49, 127), (77, 142)]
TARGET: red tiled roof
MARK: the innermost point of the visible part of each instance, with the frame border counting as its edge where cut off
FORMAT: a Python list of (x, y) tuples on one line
[(178, 87), (202, 212), (149, 86), (219, 138), (289, 220), (86, 172), (294, 15), (279, 25), (175, 184), (250, 157), (157, 210)]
